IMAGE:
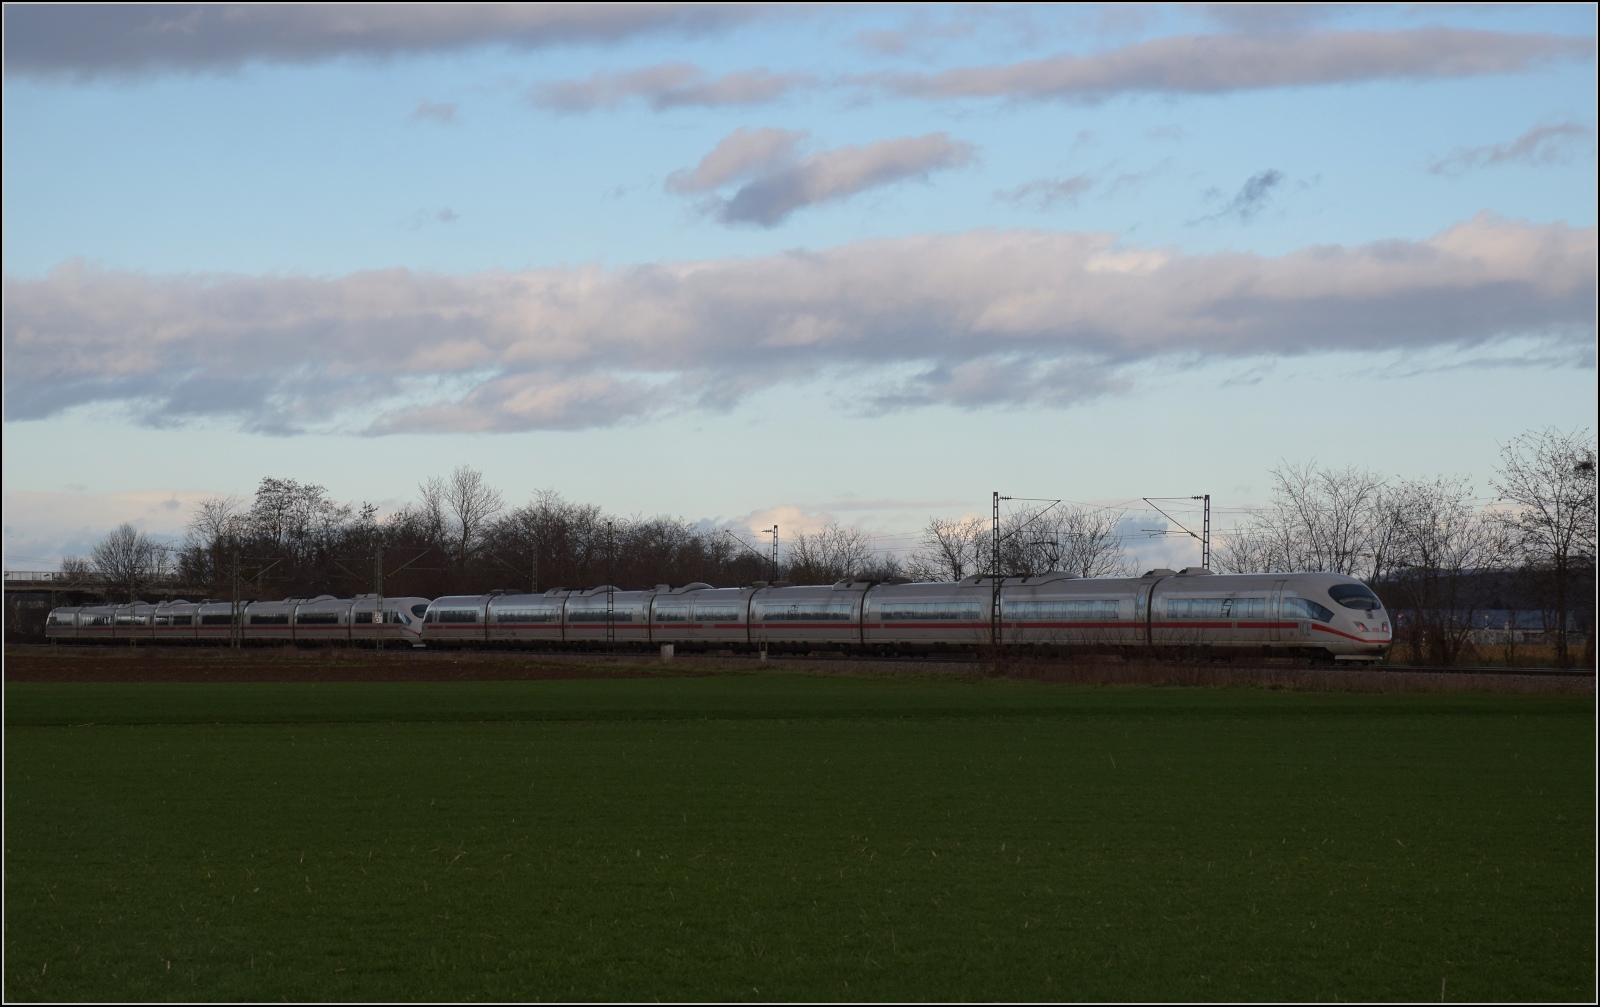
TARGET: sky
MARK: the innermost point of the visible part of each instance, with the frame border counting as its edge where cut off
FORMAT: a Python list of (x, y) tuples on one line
[(787, 263)]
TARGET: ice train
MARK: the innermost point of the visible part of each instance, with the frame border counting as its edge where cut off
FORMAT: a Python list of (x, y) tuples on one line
[(1313, 615)]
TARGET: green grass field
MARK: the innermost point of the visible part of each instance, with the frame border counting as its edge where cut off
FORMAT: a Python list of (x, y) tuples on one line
[(795, 837)]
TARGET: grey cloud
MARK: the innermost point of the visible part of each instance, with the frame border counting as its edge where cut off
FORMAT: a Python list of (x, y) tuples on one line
[(1043, 193), (91, 40), (918, 32), (740, 154), (1556, 143), (444, 215), (1267, 17), (1250, 199), (669, 85), (982, 318), (1214, 64), (884, 42), (777, 181), (441, 112), (1014, 382)]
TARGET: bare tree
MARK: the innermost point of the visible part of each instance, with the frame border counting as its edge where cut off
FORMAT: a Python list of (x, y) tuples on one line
[(830, 554), (1549, 477), (215, 522), (128, 561), (1033, 540), (1441, 540), (1251, 547), (1329, 520), (951, 549), (473, 504), (76, 570), (1088, 543)]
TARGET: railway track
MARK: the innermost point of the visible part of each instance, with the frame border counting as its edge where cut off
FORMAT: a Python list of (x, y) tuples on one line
[(954, 661)]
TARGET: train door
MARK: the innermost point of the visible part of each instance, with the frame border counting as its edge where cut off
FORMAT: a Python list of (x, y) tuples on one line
[(1143, 614), (1274, 611)]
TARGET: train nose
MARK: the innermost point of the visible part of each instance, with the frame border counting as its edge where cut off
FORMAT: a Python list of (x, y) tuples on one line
[(1374, 626)]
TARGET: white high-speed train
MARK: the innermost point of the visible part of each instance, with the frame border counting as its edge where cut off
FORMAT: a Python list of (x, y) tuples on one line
[(1313, 615)]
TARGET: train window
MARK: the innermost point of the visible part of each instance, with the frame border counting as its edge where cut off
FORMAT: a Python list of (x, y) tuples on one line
[(672, 615), (527, 615), (719, 613), (60, 619), (598, 615), (930, 611), (270, 620), (1216, 608), (419, 610), (1355, 596), (217, 619), (174, 620), (1305, 608), (808, 611), (457, 615), (1067, 610), (317, 619)]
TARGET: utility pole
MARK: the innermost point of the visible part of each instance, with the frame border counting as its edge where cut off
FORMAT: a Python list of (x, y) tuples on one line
[(1205, 535), (611, 601), (994, 575), (774, 530), (377, 584), (235, 625)]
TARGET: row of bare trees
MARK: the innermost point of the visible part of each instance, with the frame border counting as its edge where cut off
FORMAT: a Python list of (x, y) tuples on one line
[(1427, 544), (459, 536), (1034, 540)]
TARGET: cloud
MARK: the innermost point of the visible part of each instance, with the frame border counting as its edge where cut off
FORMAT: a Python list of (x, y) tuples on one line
[(444, 215), (668, 85), (1556, 143), (776, 181), (976, 320), (440, 112), (1267, 17), (1043, 193), (742, 152), (1216, 64), (1250, 199), (87, 41)]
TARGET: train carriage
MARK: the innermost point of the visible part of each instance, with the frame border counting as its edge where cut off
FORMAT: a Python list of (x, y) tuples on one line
[(1061, 610), (457, 620), (175, 622), (215, 621), (62, 623), (323, 619), (672, 618), (270, 621), (526, 618), (929, 615), (389, 619), (820, 616), (721, 616), (606, 615)]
